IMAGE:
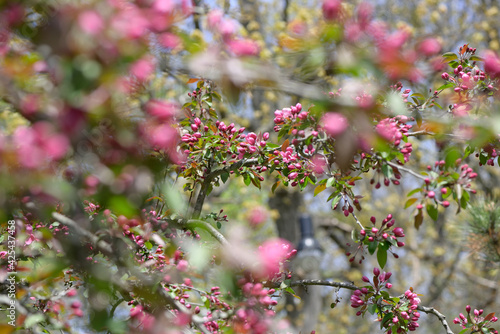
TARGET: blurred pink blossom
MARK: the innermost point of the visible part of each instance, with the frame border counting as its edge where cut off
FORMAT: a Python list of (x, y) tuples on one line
[(334, 123), (131, 23), (331, 9), (39, 144), (142, 69), (257, 216), (429, 47), (163, 110), (271, 253), (164, 6), (169, 40), (318, 164), (182, 265), (492, 64), (214, 19), (91, 22), (227, 29), (244, 47)]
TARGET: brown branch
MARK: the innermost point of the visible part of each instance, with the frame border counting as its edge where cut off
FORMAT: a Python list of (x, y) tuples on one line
[(440, 316), (340, 285), (211, 176)]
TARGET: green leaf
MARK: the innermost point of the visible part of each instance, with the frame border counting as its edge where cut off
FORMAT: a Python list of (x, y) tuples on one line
[(464, 200), (419, 219), (290, 291), (224, 176), (319, 189), (452, 155), (148, 245), (336, 199), (387, 171), (386, 318), (382, 257), (330, 182), (476, 58), (410, 202), (372, 308), (372, 247), (432, 211), (33, 319), (414, 191), (275, 185), (446, 85), (246, 179), (449, 56)]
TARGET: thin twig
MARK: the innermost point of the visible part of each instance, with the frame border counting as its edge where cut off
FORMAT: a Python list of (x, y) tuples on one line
[(404, 169)]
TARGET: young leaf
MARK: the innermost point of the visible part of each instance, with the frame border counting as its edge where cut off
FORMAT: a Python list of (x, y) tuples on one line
[(224, 176), (382, 256), (319, 189), (372, 247), (489, 316), (448, 56), (419, 219), (410, 202), (432, 211)]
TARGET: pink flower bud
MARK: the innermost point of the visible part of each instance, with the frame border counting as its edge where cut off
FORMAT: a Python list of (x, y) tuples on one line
[(376, 271), (398, 232), (365, 279), (445, 76)]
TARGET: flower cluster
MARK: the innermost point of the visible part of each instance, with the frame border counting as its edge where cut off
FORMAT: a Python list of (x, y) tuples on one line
[(366, 295), (382, 238), (384, 233), (397, 315), (255, 316), (293, 115), (394, 130), (404, 314), (478, 323)]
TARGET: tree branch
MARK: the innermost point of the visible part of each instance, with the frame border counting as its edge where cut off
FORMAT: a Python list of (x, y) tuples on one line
[(193, 223), (340, 285), (211, 176), (440, 316)]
